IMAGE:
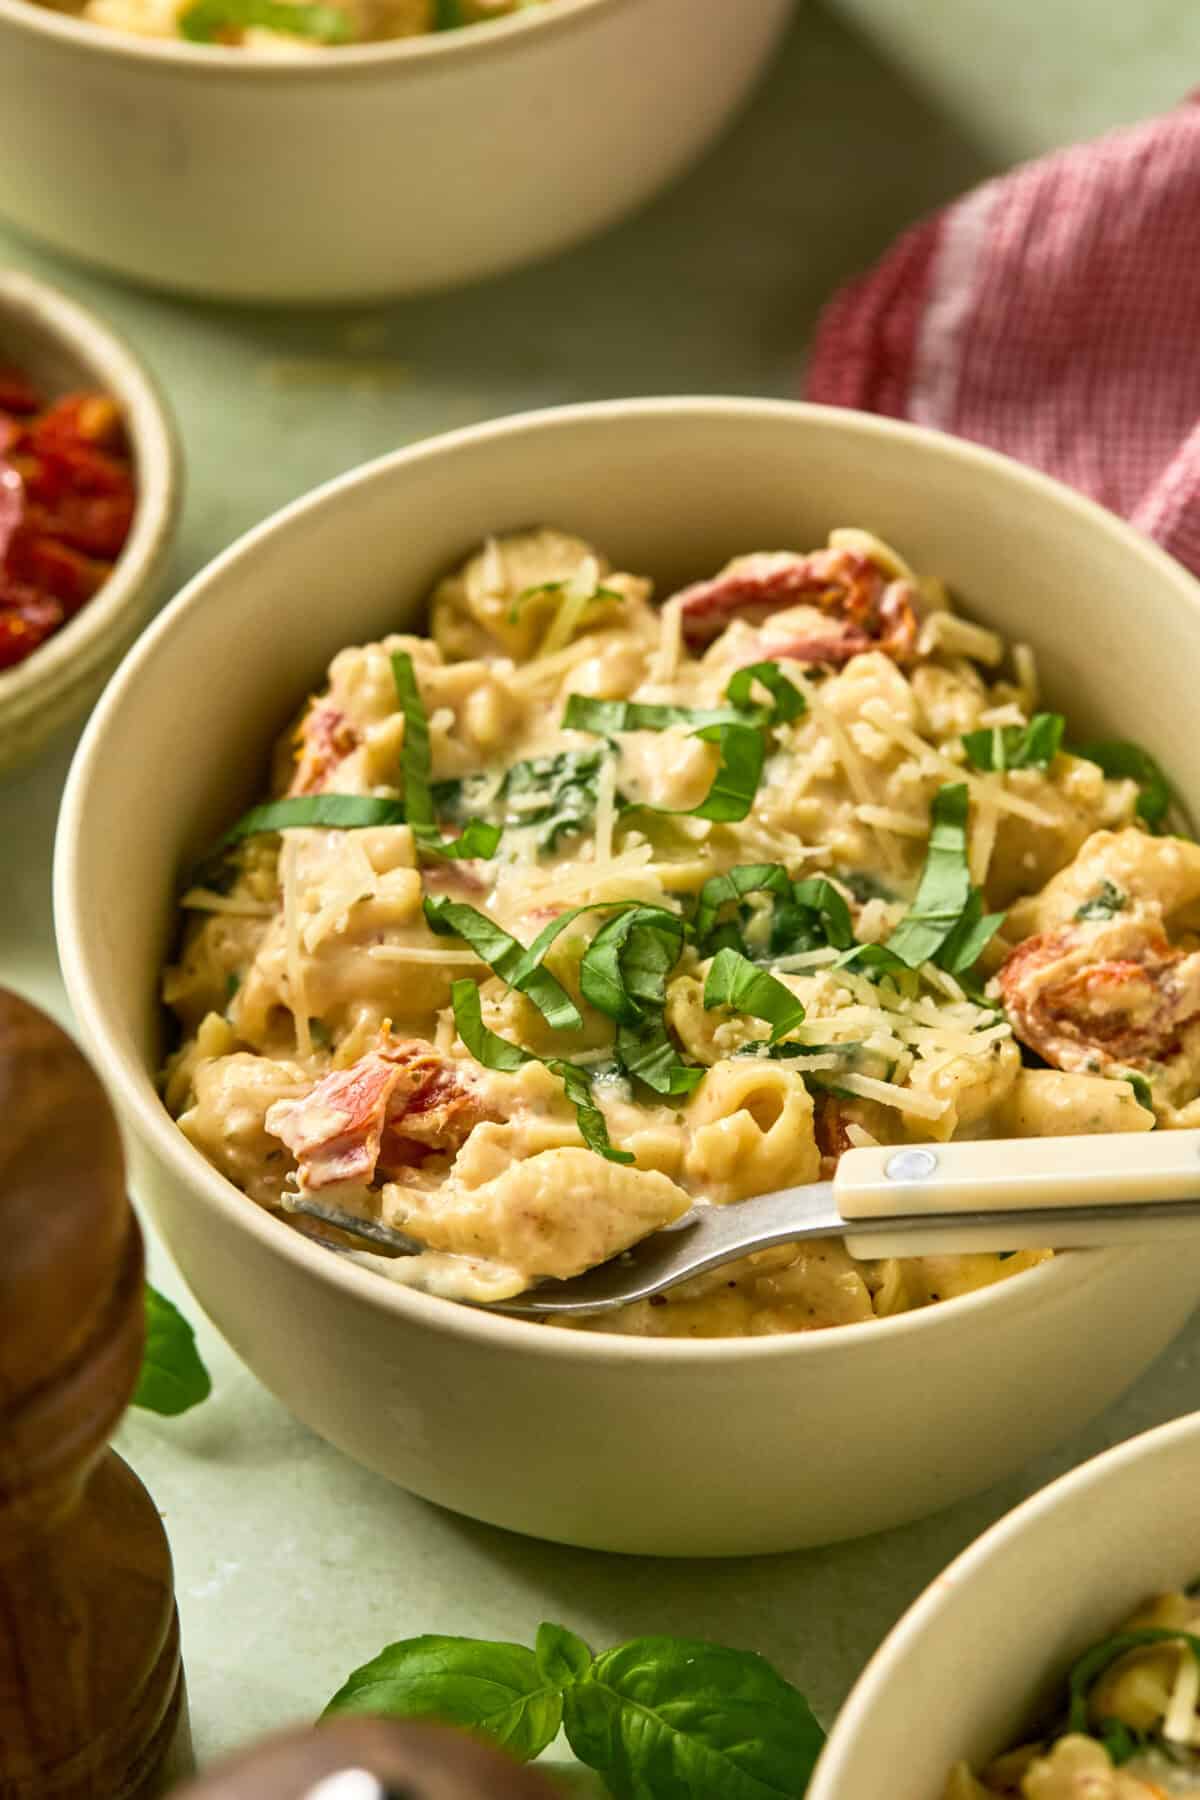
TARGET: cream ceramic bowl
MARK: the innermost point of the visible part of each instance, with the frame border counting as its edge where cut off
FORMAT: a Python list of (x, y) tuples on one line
[(965, 1672), (363, 172), (61, 346), (686, 1448)]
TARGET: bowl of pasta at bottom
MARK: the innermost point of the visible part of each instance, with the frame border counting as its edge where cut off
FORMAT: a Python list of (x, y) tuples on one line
[(978, 1667), (684, 1446)]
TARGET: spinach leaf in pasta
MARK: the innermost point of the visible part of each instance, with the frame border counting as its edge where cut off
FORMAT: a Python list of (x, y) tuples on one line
[(734, 981), (477, 838), (555, 793), (495, 1052), (521, 968), (1032, 746), (1121, 759)]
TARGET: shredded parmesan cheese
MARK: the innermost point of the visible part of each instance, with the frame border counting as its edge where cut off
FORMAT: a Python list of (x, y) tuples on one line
[(1179, 1725), (922, 1106), (606, 811)]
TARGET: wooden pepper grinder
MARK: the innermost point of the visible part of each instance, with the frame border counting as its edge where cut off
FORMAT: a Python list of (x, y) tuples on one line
[(92, 1699), (370, 1759)]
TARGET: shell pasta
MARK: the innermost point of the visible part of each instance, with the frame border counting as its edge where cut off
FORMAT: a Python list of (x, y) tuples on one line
[(586, 908)]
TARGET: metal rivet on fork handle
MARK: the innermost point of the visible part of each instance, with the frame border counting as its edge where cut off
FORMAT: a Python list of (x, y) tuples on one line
[(911, 1165)]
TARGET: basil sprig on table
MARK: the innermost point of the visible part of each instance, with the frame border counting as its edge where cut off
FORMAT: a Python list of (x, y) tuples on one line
[(204, 22), (496, 1052), (173, 1376), (1001, 747), (659, 1718)]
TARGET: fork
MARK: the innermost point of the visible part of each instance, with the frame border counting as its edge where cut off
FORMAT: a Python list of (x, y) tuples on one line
[(924, 1199)]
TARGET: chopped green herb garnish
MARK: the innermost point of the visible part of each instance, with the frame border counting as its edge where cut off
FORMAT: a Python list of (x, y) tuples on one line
[(1032, 746), (557, 587), (521, 968), (734, 981), (495, 1052), (1122, 760), (814, 916), (204, 22), (1104, 903), (566, 783), (787, 702), (609, 718), (1142, 1091), (734, 886), (945, 923), (318, 812), (478, 838), (1089, 1668)]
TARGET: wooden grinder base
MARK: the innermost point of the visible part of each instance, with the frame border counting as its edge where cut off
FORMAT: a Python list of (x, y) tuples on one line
[(92, 1699)]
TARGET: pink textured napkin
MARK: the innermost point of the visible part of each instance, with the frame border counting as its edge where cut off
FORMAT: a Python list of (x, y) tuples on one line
[(1053, 313)]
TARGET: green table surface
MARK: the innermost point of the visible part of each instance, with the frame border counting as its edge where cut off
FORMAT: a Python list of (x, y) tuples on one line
[(293, 1565)]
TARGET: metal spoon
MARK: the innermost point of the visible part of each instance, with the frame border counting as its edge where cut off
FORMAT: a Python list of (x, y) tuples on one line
[(1006, 1194)]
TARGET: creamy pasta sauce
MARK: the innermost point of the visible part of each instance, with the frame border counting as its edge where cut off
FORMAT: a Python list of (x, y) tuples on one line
[(1135, 1733), (364, 1027)]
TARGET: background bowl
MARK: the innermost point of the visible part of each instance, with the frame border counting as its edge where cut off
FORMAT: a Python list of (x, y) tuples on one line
[(964, 1673), (377, 170), (687, 1448), (62, 346)]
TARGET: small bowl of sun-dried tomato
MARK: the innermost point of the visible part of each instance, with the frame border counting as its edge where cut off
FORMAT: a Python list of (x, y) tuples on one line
[(90, 478)]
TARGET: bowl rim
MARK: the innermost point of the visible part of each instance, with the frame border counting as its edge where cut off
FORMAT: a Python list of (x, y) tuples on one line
[(413, 54), (115, 367), (133, 1084), (887, 1663)]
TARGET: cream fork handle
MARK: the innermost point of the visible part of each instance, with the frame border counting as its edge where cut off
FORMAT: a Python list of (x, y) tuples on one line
[(1069, 1179)]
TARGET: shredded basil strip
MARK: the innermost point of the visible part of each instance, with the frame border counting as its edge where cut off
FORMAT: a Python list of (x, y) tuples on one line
[(521, 968), (1089, 1668), (1142, 1091), (945, 923), (734, 981), (495, 1052), (609, 718), (448, 15), (813, 916), (625, 967), (646, 1050), (788, 703), (1121, 759), (203, 22), (731, 793), (556, 587), (734, 886), (478, 838), (329, 812), (1032, 746)]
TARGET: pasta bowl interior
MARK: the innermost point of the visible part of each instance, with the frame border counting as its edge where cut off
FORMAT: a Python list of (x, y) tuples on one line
[(1045, 1663), (773, 959)]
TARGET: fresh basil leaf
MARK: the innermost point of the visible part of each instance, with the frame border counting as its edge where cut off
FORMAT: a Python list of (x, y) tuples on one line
[(318, 812), (173, 1377), (521, 968), (1090, 1666), (945, 885), (478, 839), (567, 784), (591, 1121), (1105, 903), (1120, 1740), (815, 911), (970, 937), (561, 1656), (645, 1050), (1142, 1091), (204, 22), (1121, 759), (495, 1691), (864, 886), (556, 587), (624, 968), (609, 718), (448, 15), (495, 1052), (739, 771), (1032, 746), (787, 702), (734, 886), (734, 981), (672, 1719)]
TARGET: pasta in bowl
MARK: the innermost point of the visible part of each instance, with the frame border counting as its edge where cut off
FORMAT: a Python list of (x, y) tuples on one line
[(671, 1444), (586, 909)]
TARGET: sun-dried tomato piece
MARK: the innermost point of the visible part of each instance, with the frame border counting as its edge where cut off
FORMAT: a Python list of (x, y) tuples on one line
[(324, 739), (1087, 997), (17, 392), (855, 607), (25, 622), (55, 569), (95, 524)]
